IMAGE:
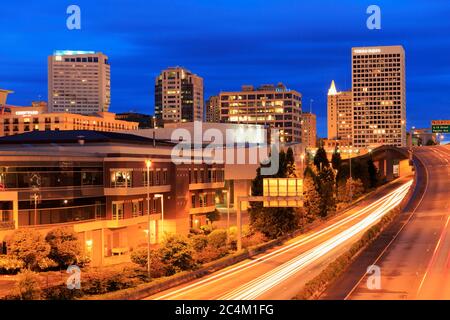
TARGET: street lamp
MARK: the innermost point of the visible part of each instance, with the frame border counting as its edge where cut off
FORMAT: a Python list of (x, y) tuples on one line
[(148, 164), (228, 193), (35, 198), (351, 180), (302, 157), (161, 196)]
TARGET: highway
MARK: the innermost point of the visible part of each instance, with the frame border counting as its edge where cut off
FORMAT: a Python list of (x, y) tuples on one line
[(281, 272), (416, 264)]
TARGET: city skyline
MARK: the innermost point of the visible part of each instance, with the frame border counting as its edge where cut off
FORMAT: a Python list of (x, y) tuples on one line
[(305, 54), (213, 152)]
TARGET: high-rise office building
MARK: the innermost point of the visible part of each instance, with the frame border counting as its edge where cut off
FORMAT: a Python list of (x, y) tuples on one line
[(270, 105), (379, 96), (340, 114), (309, 129), (213, 109), (178, 96), (79, 82)]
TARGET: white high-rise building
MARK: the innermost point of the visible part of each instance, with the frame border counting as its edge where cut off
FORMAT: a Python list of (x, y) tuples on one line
[(79, 82), (379, 96)]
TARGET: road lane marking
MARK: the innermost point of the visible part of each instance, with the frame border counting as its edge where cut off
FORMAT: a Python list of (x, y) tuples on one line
[(399, 231), (271, 255), (262, 284), (433, 257), (303, 241)]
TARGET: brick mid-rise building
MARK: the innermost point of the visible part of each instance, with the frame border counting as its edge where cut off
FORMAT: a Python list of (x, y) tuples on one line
[(97, 183), (273, 106)]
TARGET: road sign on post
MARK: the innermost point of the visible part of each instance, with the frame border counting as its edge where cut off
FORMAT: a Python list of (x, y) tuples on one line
[(440, 126), (283, 192), (277, 192)]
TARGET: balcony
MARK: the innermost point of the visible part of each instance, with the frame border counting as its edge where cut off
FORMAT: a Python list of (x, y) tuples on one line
[(206, 185), (84, 226), (121, 223), (62, 192), (202, 210), (129, 191)]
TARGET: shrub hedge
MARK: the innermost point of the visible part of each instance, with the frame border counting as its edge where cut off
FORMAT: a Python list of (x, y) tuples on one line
[(10, 265)]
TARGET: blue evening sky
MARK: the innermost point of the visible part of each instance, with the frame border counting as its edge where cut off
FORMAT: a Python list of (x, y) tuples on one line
[(304, 44)]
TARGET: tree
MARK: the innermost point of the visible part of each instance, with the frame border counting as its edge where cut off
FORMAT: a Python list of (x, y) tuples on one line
[(256, 209), (213, 216), (29, 246), (28, 285), (273, 222), (140, 256), (360, 171), (290, 164), (217, 238), (357, 190), (326, 184), (321, 159), (282, 167), (177, 254), (336, 160), (373, 173), (311, 196), (65, 248), (431, 142), (343, 174), (419, 141)]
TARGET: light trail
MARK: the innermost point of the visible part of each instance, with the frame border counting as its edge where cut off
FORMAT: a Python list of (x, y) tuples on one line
[(220, 276), (267, 281), (433, 257)]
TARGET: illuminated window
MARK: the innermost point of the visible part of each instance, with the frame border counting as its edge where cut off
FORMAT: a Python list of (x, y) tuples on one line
[(121, 178)]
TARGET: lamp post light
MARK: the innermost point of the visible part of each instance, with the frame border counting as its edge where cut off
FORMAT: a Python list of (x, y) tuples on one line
[(148, 164), (35, 199), (161, 196), (351, 179), (302, 157), (227, 194)]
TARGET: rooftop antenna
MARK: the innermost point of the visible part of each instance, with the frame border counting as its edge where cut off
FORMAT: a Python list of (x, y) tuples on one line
[(310, 105)]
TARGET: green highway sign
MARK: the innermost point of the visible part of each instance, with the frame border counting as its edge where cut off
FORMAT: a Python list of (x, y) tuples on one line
[(441, 128)]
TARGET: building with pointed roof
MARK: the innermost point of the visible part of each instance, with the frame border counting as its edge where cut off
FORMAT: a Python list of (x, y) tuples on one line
[(339, 113)]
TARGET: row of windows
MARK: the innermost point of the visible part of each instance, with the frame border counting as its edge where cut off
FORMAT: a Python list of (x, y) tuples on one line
[(47, 121), (202, 200), (206, 176), (86, 59), (260, 97), (124, 178), (33, 179), (373, 56)]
